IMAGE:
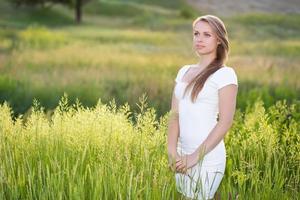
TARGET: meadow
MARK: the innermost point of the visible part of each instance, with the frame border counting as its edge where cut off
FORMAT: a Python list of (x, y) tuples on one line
[(107, 139), (108, 152), (119, 57)]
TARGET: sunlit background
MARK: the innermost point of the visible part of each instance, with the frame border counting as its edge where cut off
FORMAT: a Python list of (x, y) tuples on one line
[(128, 52)]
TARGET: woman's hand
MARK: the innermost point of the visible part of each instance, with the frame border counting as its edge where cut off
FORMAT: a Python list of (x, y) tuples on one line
[(188, 161), (173, 160)]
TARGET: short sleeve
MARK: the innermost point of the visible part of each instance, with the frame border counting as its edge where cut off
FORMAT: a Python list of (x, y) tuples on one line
[(180, 73), (225, 76)]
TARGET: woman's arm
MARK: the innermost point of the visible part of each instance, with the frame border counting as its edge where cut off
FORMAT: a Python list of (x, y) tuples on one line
[(227, 104), (173, 132)]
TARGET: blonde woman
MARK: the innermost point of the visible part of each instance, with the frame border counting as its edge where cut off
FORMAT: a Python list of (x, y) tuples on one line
[(202, 111)]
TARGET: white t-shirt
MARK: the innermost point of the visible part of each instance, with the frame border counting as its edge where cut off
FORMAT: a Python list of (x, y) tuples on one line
[(196, 120)]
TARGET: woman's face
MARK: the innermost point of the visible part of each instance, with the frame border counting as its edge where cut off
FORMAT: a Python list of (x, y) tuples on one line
[(204, 39)]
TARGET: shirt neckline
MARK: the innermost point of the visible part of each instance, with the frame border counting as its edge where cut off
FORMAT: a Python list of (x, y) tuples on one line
[(186, 71), (190, 66)]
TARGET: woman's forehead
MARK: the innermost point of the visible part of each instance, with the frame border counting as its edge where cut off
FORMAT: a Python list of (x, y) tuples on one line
[(202, 26)]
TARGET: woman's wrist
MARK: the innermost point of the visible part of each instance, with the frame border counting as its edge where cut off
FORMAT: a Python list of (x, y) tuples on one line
[(173, 153), (200, 152)]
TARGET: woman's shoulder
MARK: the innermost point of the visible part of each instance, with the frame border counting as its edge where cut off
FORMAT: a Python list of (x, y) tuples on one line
[(224, 76), (183, 68), (181, 72), (225, 70)]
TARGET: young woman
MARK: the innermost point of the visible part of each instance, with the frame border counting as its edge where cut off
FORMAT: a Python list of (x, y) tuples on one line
[(202, 111)]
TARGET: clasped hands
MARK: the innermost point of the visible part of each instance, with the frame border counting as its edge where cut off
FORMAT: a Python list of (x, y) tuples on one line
[(181, 164)]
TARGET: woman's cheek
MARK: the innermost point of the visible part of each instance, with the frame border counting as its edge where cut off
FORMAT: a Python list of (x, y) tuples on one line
[(213, 43)]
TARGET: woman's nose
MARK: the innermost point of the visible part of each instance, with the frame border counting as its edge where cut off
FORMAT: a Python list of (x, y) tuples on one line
[(199, 39)]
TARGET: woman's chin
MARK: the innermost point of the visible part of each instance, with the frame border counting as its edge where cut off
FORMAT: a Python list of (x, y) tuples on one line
[(203, 52)]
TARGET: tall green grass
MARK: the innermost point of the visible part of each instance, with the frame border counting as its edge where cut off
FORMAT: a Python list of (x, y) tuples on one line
[(110, 152)]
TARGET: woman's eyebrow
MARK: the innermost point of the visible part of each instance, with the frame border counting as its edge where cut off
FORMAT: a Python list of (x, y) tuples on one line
[(203, 31)]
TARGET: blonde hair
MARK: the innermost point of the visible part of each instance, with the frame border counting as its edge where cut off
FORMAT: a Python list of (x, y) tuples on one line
[(219, 29)]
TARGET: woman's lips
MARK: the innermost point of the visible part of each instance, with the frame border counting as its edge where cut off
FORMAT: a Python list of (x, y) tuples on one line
[(200, 46)]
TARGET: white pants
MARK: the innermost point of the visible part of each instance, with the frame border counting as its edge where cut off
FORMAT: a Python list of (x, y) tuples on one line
[(201, 181)]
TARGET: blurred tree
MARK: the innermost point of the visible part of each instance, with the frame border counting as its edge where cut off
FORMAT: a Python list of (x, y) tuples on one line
[(76, 4)]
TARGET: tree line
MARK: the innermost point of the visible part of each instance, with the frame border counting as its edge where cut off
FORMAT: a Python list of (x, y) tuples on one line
[(74, 4)]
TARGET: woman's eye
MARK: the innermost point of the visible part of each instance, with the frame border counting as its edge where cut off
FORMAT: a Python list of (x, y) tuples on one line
[(207, 35), (196, 33)]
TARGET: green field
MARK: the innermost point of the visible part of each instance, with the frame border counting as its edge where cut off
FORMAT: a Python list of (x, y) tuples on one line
[(100, 153), (122, 50)]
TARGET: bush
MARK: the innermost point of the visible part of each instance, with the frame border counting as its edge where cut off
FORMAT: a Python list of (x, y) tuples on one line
[(188, 12)]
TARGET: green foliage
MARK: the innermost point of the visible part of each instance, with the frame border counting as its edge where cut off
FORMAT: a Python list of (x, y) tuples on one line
[(40, 37), (263, 152), (250, 91), (25, 16), (136, 48), (27, 2), (92, 151), (188, 12), (149, 20), (287, 22), (171, 4), (264, 26), (112, 8), (100, 152), (70, 3)]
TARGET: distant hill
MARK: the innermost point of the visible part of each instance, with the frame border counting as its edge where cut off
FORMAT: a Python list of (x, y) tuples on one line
[(232, 7)]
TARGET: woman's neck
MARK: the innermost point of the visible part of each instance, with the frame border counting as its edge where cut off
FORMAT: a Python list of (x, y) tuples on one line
[(205, 60)]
